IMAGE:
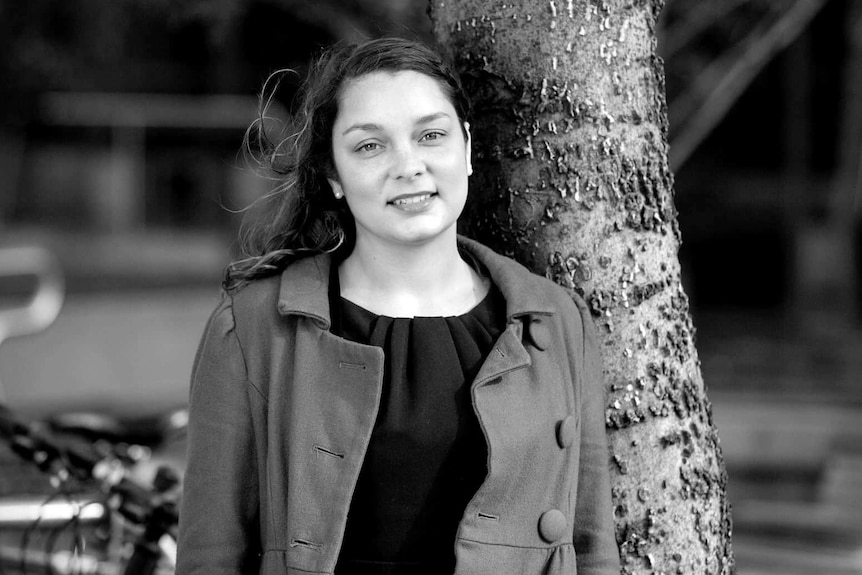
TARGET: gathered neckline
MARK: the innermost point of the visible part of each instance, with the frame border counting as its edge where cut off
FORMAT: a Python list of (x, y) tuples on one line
[(366, 311)]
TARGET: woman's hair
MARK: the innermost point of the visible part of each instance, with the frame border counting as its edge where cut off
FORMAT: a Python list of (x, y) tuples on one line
[(301, 216)]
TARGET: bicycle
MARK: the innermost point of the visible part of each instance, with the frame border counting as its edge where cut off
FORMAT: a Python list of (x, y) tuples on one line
[(93, 491), (97, 517)]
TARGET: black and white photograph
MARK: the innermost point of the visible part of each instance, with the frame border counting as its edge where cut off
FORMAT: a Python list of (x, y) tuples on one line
[(431, 287)]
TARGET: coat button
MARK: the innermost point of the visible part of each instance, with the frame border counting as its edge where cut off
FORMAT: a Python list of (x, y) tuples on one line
[(540, 335), (552, 525), (566, 431)]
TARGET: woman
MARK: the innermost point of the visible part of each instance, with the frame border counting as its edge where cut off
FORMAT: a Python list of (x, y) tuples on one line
[(375, 394)]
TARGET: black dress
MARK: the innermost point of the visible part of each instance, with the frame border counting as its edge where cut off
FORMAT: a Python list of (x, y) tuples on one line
[(427, 455)]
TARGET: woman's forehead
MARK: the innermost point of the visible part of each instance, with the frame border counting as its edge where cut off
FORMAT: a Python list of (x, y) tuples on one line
[(384, 94)]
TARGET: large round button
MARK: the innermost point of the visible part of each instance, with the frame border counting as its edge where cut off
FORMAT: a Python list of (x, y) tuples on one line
[(566, 431), (540, 335), (552, 525)]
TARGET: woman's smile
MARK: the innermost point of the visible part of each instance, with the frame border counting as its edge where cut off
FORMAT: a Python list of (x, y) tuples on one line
[(413, 202)]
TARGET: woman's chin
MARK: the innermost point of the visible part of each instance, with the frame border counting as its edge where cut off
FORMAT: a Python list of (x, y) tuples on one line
[(418, 233)]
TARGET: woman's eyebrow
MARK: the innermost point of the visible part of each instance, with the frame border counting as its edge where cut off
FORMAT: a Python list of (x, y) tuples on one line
[(364, 127), (431, 117), (372, 127)]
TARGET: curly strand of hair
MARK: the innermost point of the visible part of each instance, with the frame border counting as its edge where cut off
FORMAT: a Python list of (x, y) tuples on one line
[(244, 270), (270, 241)]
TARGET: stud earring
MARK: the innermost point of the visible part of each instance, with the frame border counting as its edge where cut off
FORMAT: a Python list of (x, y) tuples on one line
[(338, 195)]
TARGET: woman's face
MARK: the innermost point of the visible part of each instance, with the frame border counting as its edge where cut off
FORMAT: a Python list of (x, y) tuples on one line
[(401, 158)]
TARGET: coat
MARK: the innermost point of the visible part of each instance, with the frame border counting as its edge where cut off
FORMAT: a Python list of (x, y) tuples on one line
[(282, 410)]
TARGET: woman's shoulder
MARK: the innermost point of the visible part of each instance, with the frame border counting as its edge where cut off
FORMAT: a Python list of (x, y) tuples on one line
[(241, 306), (301, 288), (255, 294)]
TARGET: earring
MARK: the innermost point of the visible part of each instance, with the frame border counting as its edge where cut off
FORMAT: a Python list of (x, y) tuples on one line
[(338, 195)]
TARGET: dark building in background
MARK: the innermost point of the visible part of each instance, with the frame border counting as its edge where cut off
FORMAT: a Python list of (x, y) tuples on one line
[(769, 202)]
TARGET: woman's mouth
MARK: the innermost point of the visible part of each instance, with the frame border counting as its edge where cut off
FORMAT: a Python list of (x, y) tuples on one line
[(413, 202)]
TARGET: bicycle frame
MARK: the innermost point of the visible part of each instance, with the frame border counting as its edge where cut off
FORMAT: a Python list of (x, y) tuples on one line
[(94, 494)]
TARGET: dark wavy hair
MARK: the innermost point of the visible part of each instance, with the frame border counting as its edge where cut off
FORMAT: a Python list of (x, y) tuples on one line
[(300, 216)]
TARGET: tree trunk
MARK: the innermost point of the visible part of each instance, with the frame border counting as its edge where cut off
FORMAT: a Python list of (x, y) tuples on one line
[(572, 179)]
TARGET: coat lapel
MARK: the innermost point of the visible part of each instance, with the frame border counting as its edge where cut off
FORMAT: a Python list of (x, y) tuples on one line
[(508, 354)]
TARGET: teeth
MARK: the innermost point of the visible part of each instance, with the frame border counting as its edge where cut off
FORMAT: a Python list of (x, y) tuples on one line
[(412, 200)]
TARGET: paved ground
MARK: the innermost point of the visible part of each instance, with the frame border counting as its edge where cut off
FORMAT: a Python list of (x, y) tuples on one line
[(128, 352)]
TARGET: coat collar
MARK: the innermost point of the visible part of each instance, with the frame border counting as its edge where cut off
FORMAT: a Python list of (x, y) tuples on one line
[(305, 285)]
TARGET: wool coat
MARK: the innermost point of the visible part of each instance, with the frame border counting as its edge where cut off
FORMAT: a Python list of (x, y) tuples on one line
[(282, 410)]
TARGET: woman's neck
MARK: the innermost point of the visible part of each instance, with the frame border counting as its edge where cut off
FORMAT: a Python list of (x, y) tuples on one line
[(407, 281)]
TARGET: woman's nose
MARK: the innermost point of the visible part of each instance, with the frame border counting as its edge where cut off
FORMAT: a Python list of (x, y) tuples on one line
[(407, 163)]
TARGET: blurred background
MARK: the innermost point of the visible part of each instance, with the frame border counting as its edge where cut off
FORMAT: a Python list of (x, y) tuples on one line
[(119, 138)]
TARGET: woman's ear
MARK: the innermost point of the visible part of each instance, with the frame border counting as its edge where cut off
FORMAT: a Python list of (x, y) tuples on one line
[(469, 150), (337, 190)]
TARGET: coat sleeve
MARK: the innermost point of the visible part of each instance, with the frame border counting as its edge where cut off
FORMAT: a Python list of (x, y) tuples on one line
[(218, 530), (595, 542)]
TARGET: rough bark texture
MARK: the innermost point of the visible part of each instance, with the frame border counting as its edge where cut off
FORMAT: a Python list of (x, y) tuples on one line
[(572, 179)]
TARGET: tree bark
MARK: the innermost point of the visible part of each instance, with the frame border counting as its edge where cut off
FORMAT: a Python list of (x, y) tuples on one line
[(572, 179)]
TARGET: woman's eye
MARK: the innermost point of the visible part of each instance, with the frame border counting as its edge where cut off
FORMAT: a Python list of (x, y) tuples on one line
[(368, 147), (430, 136)]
